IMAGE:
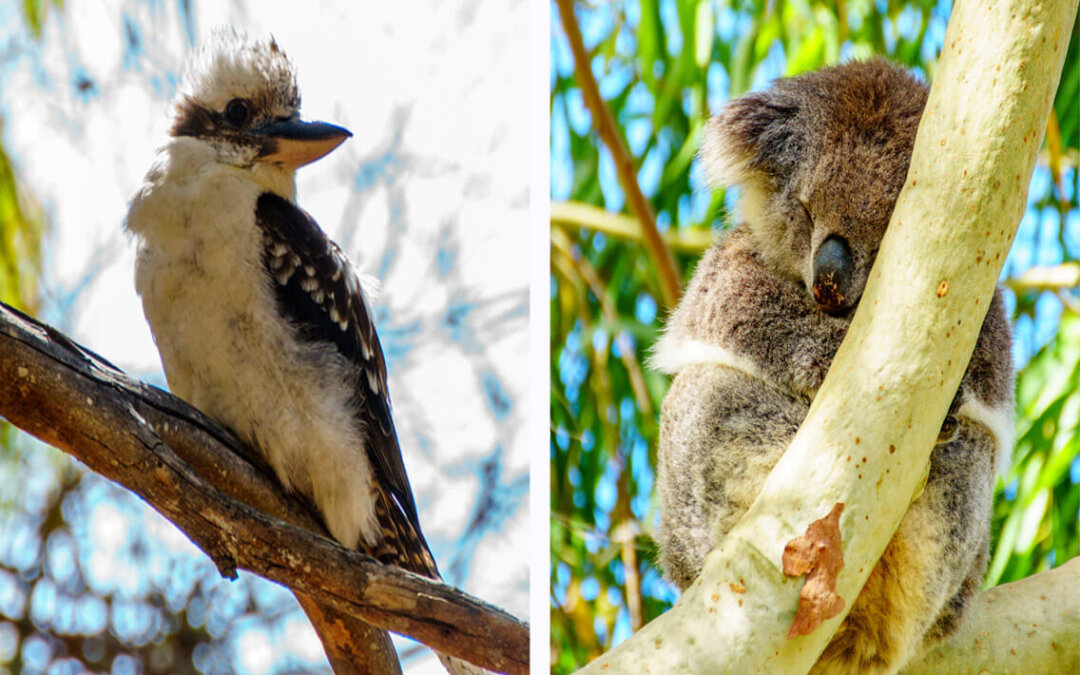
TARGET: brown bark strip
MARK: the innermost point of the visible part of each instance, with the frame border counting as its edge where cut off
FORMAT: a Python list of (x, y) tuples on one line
[(352, 646), (194, 473)]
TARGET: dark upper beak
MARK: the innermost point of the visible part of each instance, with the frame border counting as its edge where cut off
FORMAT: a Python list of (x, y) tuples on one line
[(295, 143)]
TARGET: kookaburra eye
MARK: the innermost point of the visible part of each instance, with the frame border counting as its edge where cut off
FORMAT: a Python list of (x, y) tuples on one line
[(237, 112)]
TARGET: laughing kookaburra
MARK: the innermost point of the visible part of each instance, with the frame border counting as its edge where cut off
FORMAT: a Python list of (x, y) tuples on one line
[(259, 318)]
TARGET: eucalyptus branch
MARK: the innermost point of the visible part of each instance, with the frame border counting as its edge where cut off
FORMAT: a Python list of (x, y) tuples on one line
[(1028, 626)]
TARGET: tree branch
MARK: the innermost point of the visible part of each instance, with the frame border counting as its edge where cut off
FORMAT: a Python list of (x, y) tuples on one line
[(897, 370), (670, 284), (352, 646), (1065, 275), (193, 473), (1028, 626), (572, 215)]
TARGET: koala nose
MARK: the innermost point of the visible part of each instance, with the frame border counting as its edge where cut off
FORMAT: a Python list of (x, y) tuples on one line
[(834, 276)]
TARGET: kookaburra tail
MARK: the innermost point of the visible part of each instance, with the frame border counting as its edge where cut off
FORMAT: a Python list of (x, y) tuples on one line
[(259, 318)]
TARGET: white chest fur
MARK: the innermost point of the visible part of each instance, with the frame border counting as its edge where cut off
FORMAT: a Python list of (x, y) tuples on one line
[(223, 344)]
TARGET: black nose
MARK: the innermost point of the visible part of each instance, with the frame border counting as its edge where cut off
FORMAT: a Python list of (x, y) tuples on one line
[(834, 276)]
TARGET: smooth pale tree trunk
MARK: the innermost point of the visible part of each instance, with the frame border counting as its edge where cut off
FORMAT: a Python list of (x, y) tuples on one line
[(1028, 626), (895, 374)]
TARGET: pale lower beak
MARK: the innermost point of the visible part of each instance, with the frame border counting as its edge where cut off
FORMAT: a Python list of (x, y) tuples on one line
[(295, 143)]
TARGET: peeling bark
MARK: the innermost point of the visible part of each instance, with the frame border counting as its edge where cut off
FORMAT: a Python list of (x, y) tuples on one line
[(817, 554)]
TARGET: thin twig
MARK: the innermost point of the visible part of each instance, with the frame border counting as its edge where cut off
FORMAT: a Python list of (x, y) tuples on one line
[(625, 532), (670, 284)]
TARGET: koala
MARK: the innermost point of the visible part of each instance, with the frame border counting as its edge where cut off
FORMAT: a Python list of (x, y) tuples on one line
[(820, 160)]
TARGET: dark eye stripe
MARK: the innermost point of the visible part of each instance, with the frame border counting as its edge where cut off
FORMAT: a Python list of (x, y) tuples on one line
[(192, 120)]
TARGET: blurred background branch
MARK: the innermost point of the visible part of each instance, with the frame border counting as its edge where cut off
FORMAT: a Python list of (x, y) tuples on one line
[(670, 284), (574, 215)]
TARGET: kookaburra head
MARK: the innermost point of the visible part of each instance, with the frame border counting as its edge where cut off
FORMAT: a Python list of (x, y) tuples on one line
[(241, 97), (260, 319)]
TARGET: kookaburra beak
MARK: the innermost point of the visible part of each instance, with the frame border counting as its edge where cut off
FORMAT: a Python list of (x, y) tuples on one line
[(294, 143)]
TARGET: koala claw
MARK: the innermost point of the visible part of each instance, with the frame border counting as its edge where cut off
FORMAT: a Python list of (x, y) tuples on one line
[(948, 430)]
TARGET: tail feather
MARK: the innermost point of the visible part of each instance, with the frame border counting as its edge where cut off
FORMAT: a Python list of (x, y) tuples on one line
[(403, 545)]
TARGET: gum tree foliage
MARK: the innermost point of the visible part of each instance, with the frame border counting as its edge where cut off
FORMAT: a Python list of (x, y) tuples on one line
[(662, 66)]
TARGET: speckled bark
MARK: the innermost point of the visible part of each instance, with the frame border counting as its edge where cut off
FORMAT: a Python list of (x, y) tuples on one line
[(1028, 626)]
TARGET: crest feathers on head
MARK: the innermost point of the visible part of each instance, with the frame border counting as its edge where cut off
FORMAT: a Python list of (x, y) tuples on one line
[(229, 64)]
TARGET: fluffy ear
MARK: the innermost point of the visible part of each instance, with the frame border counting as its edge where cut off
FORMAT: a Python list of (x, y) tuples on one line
[(753, 137)]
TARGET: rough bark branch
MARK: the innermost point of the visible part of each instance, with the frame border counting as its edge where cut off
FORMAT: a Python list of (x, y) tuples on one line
[(353, 646), (898, 369), (196, 475), (670, 284)]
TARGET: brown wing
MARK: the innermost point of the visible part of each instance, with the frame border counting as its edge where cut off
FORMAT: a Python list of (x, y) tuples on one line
[(318, 291), (402, 544)]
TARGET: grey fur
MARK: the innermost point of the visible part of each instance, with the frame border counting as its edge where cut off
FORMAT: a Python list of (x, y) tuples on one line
[(824, 154)]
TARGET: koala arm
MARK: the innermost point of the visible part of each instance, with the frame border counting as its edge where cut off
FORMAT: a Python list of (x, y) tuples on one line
[(738, 313), (721, 432), (986, 391)]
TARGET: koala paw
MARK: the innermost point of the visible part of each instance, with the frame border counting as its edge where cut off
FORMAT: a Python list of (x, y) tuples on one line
[(948, 430), (949, 426), (808, 376)]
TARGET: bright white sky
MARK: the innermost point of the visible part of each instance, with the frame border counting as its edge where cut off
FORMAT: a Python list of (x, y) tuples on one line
[(430, 195)]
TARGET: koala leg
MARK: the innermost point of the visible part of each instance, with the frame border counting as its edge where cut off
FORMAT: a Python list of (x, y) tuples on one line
[(930, 569)]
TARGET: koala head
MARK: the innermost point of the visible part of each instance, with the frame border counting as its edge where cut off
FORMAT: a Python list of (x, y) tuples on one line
[(820, 159)]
